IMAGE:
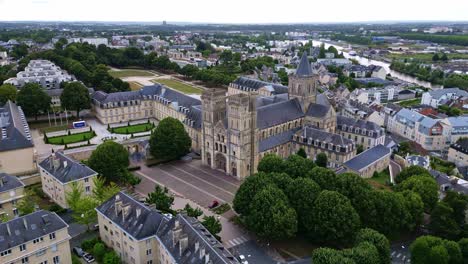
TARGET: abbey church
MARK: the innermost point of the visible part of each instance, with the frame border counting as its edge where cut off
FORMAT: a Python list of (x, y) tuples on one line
[(256, 118)]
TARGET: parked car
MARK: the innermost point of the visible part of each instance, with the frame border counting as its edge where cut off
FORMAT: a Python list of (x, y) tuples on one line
[(88, 258), (243, 260), (95, 227), (78, 251), (213, 204)]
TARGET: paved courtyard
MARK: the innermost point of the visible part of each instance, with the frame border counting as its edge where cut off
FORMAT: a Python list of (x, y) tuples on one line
[(191, 180)]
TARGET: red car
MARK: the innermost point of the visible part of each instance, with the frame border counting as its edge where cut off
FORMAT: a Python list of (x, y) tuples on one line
[(213, 204)]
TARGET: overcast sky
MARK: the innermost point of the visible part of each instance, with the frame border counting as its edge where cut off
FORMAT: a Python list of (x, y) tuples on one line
[(233, 11)]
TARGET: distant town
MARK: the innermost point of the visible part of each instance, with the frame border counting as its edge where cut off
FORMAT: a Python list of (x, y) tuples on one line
[(203, 143)]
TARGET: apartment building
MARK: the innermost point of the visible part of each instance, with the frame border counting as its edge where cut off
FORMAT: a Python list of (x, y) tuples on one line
[(58, 174), (458, 152), (365, 133), (11, 191), (438, 97), (17, 155), (372, 160), (42, 72), (141, 235), (37, 238)]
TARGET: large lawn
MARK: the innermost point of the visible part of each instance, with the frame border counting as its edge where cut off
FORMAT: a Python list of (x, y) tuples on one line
[(129, 73), (133, 128), (73, 138), (179, 86), (409, 103)]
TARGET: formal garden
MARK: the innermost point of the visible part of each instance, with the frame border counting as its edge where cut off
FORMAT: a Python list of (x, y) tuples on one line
[(131, 129), (70, 138)]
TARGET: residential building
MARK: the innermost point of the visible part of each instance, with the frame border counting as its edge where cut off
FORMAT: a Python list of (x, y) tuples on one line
[(42, 72), (17, 154), (11, 191), (337, 62), (40, 237), (420, 161), (406, 94), (364, 133), (378, 94), (59, 173), (372, 160), (458, 152), (3, 58), (438, 97), (95, 41), (458, 127), (155, 101), (140, 234)]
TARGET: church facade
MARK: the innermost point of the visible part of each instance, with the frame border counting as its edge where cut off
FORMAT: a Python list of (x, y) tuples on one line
[(256, 118)]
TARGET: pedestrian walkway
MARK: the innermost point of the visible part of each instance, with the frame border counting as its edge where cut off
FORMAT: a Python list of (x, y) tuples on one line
[(236, 241)]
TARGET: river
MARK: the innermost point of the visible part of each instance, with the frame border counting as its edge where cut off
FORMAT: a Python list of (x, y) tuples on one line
[(385, 65)]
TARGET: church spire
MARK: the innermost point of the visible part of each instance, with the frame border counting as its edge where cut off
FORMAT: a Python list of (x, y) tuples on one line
[(304, 68)]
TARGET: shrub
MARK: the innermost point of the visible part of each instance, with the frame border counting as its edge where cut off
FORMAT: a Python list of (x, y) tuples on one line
[(88, 244), (99, 250)]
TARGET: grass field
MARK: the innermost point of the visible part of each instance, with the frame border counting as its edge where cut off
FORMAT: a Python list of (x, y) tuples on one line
[(134, 86), (73, 138), (408, 103), (179, 86), (130, 73), (133, 128)]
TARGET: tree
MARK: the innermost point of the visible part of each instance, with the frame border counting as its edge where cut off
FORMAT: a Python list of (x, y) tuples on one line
[(444, 57), (302, 193), (459, 203), (75, 96), (84, 212), (33, 100), (7, 92), (414, 207), (99, 250), (297, 166), (301, 152), (212, 224), (27, 204), (74, 195), (193, 212), (325, 178), (359, 149), (103, 191), (111, 258), (110, 160), (330, 256), (435, 57), (380, 242), (335, 219), (271, 163), (248, 189), (463, 244), (411, 171), (425, 186), (442, 221), (270, 215), (169, 140), (363, 253), (322, 51), (161, 198), (321, 160), (19, 51), (431, 249)]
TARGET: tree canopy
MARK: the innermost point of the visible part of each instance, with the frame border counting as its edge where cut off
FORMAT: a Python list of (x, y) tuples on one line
[(33, 100), (75, 96), (110, 160), (169, 140), (7, 92)]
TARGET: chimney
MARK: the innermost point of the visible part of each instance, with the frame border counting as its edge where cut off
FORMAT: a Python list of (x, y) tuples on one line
[(65, 163), (118, 206), (2, 181), (183, 244), (197, 246), (126, 211), (202, 253), (207, 258), (138, 212), (176, 234), (25, 223)]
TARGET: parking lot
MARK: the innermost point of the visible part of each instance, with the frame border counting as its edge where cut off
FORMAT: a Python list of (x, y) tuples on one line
[(191, 180)]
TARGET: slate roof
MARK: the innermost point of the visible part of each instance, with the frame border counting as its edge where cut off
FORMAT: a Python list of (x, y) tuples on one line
[(317, 110), (255, 84), (416, 160), (29, 227), (66, 169), (342, 121), (304, 69), (9, 182), (437, 94), (367, 157), (275, 114), (14, 128), (373, 80), (461, 145), (58, 92), (446, 182), (196, 234), (324, 136), (276, 140), (143, 226)]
